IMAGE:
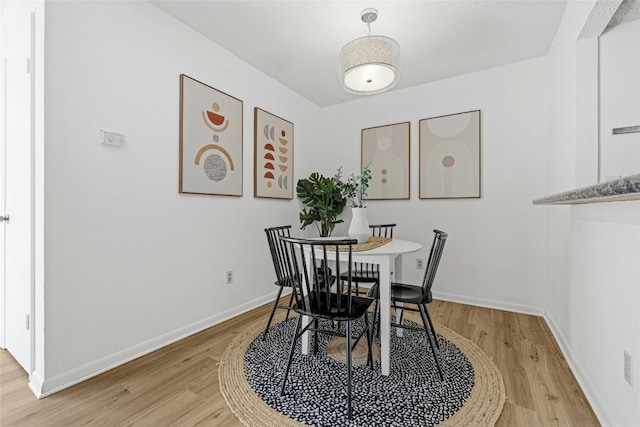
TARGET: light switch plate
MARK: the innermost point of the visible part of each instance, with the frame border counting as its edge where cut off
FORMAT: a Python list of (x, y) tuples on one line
[(111, 138)]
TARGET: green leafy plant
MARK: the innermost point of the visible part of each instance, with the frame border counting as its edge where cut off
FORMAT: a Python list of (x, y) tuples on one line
[(323, 200), (355, 188)]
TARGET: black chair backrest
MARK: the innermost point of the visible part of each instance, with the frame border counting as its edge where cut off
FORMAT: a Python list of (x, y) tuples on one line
[(276, 250), (309, 262), (437, 247), (382, 230), (366, 270)]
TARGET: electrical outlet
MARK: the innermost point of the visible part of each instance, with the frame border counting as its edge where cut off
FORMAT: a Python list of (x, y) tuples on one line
[(419, 263), (229, 277), (628, 368)]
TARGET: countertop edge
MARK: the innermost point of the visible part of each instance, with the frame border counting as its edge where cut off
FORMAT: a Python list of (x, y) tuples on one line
[(621, 189)]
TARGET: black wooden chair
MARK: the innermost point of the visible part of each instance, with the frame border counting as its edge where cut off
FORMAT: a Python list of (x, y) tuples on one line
[(323, 305), (282, 280), (366, 273), (420, 295)]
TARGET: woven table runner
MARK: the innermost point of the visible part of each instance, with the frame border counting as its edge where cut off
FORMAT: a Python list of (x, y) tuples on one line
[(372, 243)]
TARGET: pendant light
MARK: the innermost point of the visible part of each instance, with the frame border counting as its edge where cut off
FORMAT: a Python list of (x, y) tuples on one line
[(370, 64)]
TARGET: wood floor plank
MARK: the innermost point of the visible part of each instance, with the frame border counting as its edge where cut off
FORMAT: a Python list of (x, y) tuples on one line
[(178, 384)]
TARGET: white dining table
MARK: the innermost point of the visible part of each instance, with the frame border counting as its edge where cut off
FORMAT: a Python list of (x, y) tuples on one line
[(389, 258)]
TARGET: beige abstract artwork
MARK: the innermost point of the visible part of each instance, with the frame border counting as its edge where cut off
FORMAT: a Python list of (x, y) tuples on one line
[(450, 156)]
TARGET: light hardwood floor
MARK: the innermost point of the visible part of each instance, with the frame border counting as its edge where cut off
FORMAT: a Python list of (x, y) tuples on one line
[(178, 385)]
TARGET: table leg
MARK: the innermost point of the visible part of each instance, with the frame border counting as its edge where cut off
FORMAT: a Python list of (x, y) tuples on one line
[(397, 277), (385, 315)]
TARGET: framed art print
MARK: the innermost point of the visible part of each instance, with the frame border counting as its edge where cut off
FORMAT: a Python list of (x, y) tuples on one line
[(387, 148), (210, 140), (450, 156), (273, 156)]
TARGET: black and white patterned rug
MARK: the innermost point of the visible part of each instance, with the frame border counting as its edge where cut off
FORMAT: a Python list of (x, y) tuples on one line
[(315, 393)]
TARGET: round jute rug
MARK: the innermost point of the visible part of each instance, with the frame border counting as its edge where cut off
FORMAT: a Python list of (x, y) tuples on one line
[(481, 408)]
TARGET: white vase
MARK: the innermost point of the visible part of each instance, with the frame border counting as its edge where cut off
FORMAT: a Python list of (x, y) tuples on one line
[(359, 227)]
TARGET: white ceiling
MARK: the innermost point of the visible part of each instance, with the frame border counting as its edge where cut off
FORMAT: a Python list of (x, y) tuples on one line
[(297, 42)]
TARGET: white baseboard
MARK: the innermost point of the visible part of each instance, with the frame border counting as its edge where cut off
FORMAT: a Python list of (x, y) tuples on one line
[(489, 303), (96, 367), (35, 384), (579, 373)]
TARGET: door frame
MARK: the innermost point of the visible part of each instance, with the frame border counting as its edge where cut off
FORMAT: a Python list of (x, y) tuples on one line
[(32, 198)]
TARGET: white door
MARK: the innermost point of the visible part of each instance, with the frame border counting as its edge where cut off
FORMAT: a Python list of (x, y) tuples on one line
[(18, 230)]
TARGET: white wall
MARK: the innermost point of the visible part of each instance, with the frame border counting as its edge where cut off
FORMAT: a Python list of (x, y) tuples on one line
[(593, 252), (619, 99), (130, 263), (495, 251)]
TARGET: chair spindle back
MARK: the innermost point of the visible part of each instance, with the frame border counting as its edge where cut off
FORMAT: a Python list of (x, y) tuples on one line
[(366, 270), (277, 255), (309, 262), (437, 247), (382, 230)]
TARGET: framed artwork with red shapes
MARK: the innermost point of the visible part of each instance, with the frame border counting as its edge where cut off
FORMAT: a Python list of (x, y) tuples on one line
[(210, 140), (273, 156)]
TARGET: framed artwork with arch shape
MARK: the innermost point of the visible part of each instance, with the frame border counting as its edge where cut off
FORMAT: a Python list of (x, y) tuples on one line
[(450, 156), (210, 140), (386, 150), (273, 156)]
